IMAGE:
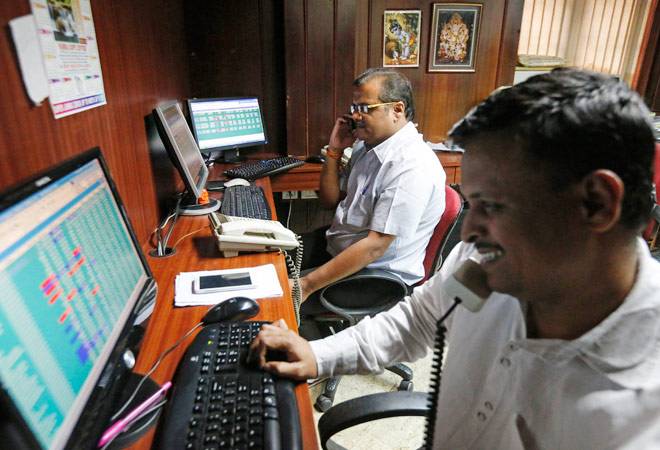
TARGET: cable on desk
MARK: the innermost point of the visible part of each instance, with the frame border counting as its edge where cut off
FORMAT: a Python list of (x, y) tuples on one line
[(152, 369), (161, 242), (144, 413), (186, 235)]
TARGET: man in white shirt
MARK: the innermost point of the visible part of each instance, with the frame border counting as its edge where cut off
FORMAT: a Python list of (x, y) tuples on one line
[(390, 197), (565, 353)]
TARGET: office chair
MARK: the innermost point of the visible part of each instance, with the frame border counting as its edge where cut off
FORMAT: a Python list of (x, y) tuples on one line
[(370, 291)]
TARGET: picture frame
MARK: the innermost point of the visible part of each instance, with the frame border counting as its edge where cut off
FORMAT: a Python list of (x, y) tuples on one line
[(401, 37), (454, 37)]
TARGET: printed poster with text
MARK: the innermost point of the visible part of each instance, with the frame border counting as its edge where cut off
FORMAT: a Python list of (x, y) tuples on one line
[(71, 57)]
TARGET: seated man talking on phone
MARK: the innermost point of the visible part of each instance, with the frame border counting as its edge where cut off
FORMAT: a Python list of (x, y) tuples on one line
[(390, 197), (565, 352)]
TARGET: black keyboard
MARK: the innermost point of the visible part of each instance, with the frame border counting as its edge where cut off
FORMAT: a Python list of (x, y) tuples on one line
[(263, 168), (219, 402), (245, 201)]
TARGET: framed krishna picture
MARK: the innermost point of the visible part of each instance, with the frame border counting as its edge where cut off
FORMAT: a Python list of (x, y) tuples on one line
[(454, 37), (401, 30)]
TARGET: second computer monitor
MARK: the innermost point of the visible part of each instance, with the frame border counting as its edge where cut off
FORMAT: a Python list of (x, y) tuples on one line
[(185, 155), (227, 124)]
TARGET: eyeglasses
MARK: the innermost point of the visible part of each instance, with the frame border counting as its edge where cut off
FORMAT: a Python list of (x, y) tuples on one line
[(363, 108)]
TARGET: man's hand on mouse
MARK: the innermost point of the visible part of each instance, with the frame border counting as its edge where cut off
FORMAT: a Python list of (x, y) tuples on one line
[(301, 362)]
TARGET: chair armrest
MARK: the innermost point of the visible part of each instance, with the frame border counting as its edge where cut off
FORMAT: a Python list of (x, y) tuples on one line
[(366, 292), (367, 408)]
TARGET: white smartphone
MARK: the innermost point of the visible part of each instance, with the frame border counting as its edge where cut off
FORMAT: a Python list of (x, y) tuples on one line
[(205, 284)]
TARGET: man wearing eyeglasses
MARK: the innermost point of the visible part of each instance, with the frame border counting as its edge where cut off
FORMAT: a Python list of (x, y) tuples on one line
[(389, 197)]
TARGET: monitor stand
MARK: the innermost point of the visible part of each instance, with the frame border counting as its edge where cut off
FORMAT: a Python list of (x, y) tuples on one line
[(231, 155), (190, 207)]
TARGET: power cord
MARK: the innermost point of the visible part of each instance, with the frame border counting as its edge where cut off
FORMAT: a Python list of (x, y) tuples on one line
[(144, 413), (161, 242), (288, 216), (152, 369)]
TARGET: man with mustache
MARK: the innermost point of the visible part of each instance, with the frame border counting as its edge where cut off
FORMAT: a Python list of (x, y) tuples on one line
[(388, 200), (565, 352)]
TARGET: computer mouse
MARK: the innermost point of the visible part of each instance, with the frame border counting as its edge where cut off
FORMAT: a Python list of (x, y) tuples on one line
[(233, 310), (236, 182), (315, 159)]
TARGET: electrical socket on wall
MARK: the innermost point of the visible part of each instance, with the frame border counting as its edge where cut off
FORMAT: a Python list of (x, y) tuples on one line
[(289, 195), (308, 194)]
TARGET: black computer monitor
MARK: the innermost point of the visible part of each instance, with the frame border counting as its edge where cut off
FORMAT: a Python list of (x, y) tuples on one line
[(185, 155), (227, 124), (71, 277)]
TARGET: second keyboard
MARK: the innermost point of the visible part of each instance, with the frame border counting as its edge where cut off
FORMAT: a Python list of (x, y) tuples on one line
[(245, 201), (264, 168)]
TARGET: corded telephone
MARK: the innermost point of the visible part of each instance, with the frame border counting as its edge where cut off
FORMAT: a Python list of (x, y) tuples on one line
[(240, 234)]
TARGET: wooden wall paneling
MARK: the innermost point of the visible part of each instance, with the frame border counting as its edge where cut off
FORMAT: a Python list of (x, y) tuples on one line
[(347, 32), (236, 50), (646, 79), (141, 57), (513, 10), (295, 31), (447, 96), (273, 94), (321, 60)]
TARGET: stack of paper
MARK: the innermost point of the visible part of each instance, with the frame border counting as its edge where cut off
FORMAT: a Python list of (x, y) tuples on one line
[(264, 278)]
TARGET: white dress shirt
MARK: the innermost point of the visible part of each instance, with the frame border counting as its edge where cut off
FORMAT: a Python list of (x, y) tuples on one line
[(396, 188), (500, 390)]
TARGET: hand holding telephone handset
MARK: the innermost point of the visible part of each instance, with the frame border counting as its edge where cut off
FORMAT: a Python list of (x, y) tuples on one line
[(239, 234)]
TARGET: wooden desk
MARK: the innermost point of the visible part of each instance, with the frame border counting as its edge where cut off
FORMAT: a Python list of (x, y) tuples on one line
[(167, 324)]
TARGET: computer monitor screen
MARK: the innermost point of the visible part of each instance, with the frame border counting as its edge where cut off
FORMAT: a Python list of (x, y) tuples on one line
[(181, 144), (71, 274), (227, 123)]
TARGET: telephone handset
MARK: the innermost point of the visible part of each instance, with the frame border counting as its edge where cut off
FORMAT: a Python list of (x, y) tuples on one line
[(468, 284), (240, 234)]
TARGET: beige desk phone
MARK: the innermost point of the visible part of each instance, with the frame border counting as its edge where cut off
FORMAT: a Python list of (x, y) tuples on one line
[(239, 234)]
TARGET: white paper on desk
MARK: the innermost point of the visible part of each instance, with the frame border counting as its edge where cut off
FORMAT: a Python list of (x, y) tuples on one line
[(264, 278)]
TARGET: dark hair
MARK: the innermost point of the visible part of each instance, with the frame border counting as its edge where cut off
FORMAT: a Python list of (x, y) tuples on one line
[(395, 88), (575, 122)]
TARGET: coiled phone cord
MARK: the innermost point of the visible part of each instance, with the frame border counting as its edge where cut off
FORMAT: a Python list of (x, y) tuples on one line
[(436, 372), (294, 273)]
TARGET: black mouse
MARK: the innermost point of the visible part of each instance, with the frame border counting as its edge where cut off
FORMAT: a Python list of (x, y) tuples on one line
[(315, 159), (233, 310)]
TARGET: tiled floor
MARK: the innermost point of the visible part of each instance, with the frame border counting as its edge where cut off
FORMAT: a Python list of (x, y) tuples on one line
[(401, 433)]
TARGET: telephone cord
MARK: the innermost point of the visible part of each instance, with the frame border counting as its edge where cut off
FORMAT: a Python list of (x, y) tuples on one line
[(436, 372), (294, 272)]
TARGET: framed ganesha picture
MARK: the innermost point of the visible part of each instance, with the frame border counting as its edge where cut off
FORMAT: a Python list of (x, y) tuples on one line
[(454, 37)]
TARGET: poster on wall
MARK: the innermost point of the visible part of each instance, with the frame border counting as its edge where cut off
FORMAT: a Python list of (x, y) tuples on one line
[(70, 55), (454, 37), (401, 38)]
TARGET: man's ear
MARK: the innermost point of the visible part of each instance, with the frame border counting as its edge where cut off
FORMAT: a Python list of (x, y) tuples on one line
[(602, 195), (399, 109)]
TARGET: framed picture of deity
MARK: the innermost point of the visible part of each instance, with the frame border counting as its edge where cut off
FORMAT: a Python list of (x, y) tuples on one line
[(454, 37), (401, 30)]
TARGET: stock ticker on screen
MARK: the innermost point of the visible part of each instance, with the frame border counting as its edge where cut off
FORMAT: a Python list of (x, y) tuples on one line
[(60, 287), (226, 122)]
